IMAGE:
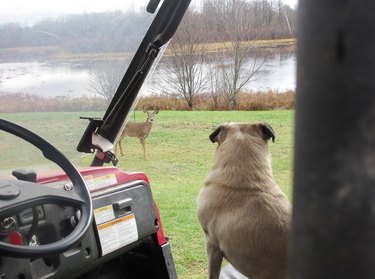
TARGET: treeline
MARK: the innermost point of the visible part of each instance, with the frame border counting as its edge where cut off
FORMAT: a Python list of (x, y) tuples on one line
[(117, 31), (21, 102)]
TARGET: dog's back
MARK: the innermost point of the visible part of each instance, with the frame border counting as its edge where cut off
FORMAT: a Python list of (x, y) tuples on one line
[(243, 212)]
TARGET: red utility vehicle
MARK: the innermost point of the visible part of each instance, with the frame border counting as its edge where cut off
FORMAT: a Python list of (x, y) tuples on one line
[(98, 221)]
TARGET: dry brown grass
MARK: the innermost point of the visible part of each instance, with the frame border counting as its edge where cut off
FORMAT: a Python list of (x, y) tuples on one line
[(246, 101), (266, 101), (252, 44), (21, 102)]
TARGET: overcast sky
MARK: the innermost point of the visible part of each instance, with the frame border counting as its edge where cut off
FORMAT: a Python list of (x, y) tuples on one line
[(14, 9)]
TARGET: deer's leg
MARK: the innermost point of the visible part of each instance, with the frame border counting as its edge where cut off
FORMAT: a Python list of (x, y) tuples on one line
[(142, 140), (116, 149), (119, 144)]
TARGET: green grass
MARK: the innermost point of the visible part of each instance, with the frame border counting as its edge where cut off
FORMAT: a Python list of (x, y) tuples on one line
[(179, 157)]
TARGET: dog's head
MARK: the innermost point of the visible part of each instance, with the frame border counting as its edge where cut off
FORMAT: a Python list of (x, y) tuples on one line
[(242, 155), (260, 129)]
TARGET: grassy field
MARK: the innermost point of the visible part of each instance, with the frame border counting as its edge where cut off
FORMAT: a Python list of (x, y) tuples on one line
[(251, 44), (179, 157)]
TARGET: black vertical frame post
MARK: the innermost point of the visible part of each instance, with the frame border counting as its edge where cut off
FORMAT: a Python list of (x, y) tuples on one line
[(333, 232)]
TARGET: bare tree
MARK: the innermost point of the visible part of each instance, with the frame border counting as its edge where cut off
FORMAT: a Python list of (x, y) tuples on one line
[(236, 69), (214, 80), (185, 77), (104, 78), (235, 74)]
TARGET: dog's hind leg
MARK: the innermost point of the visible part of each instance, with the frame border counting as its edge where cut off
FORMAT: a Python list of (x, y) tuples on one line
[(215, 257)]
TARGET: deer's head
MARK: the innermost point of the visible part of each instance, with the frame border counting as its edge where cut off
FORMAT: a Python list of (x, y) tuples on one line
[(150, 114)]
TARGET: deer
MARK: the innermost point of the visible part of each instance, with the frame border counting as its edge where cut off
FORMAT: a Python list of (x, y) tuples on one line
[(139, 130)]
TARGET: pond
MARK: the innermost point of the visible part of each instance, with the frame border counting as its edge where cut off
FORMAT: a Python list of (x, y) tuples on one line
[(44, 79), (278, 73), (63, 79)]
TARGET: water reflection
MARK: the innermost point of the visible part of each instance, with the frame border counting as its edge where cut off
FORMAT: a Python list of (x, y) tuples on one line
[(277, 73), (44, 79)]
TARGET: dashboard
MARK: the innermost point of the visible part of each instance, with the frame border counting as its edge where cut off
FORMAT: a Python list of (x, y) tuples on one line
[(126, 225)]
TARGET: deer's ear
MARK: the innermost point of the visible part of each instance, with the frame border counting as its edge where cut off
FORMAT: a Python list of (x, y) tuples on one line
[(267, 131), (144, 110), (156, 110)]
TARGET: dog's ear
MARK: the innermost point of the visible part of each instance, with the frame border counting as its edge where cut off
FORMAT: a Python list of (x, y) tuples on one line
[(267, 131), (214, 137)]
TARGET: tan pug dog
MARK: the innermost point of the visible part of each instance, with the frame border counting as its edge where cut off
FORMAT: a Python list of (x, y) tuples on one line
[(244, 214)]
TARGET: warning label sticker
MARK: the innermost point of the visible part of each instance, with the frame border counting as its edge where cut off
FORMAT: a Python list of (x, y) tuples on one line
[(94, 183), (104, 214), (117, 233)]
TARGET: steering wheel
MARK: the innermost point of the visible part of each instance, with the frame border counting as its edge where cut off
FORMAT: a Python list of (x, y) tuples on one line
[(16, 195)]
